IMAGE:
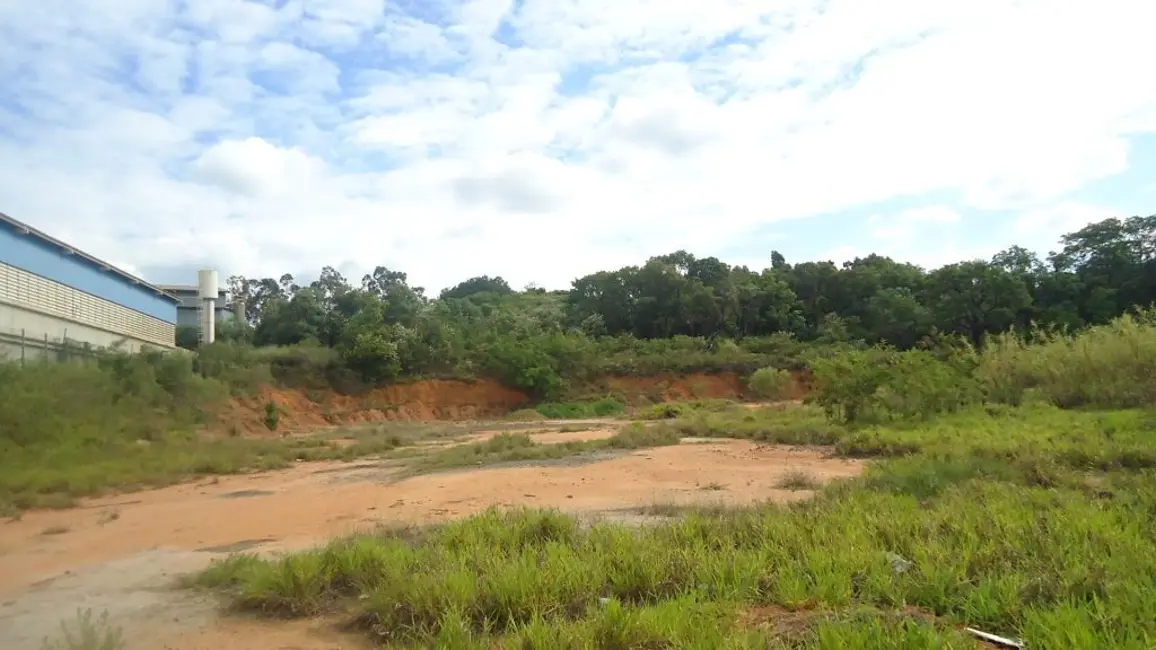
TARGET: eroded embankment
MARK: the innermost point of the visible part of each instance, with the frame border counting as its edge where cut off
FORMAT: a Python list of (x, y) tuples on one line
[(449, 399)]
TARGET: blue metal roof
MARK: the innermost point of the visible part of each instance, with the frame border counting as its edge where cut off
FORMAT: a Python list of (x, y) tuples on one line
[(80, 255)]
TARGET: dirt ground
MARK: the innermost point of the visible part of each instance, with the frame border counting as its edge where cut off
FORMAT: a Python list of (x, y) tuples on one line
[(123, 554)]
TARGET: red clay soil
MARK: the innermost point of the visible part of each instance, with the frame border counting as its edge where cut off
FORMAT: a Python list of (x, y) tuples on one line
[(449, 399), (669, 388), (431, 399)]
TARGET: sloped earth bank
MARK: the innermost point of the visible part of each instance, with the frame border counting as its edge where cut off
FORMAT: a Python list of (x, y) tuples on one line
[(123, 554), (433, 399), (448, 399)]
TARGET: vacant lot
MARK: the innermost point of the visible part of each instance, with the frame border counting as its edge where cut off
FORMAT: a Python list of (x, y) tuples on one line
[(1031, 522), (1026, 522), (53, 561), (1011, 490)]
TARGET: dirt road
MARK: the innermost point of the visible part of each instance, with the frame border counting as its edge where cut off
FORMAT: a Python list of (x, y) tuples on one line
[(123, 554)]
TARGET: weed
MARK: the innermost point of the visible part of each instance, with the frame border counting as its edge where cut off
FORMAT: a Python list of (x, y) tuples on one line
[(672, 410), (86, 633), (798, 480), (272, 417), (55, 530), (525, 415), (520, 447)]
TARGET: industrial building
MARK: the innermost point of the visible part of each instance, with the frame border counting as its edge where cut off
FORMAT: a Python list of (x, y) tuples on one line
[(191, 303), (54, 296)]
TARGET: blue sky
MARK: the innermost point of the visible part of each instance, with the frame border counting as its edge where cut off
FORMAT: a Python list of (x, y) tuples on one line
[(545, 139)]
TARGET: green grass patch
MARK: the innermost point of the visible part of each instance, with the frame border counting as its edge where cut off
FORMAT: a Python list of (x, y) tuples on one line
[(55, 473), (673, 410), (1032, 523), (600, 408)]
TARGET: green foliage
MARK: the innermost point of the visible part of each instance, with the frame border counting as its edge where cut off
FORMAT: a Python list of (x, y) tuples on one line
[(671, 410), (525, 365), (1107, 366), (985, 519), (883, 384), (771, 383), (680, 313), (578, 410), (272, 417)]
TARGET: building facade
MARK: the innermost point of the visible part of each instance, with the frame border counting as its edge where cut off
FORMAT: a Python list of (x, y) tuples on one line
[(189, 304), (53, 296)]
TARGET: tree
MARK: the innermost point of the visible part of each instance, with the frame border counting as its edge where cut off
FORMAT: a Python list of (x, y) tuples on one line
[(480, 284), (975, 298)]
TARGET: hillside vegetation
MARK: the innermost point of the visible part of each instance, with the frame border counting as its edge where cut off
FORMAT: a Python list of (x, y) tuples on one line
[(679, 313)]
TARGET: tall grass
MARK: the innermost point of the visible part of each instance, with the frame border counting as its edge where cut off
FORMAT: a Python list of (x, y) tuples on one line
[(1110, 366)]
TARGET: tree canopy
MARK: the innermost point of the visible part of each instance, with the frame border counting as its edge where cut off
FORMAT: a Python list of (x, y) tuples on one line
[(384, 327)]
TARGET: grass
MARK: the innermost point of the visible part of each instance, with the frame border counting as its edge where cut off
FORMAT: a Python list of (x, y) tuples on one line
[(86, 632), (673, 410), (603, 407), (1033, 523), (56, 475), (798, 480), (520, 447)]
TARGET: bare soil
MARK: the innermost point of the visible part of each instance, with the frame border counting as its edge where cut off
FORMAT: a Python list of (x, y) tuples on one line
[(450, 399), (123, 554)]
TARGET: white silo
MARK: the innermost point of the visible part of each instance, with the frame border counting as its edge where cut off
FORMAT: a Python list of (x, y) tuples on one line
[(207, 303)]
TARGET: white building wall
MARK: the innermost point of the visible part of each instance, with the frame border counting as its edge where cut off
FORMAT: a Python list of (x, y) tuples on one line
[(32, 308)]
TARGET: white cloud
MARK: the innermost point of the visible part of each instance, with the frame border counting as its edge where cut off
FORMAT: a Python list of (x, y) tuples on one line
[(353, 133), (254, 167)]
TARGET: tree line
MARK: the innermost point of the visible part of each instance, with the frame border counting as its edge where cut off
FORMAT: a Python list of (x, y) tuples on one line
[(385, 327)]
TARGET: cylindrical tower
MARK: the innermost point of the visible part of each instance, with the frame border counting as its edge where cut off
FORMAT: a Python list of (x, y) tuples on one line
[(207, 280)]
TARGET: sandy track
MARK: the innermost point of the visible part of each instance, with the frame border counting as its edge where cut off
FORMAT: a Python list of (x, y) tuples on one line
[(122, 554)]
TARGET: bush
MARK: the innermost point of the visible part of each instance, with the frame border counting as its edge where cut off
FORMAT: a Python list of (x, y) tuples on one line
[(272, 418), (771, 383), (673, 410), (577, 410), (883, 384)]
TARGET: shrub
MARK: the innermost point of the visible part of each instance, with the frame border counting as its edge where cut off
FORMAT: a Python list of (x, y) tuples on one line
[(272, 417), (881, 384), (525, 415), (771, 383), (576, 410), (672, 410)]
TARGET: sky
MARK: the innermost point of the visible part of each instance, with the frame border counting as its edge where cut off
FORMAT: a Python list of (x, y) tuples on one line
[(542, 140)]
